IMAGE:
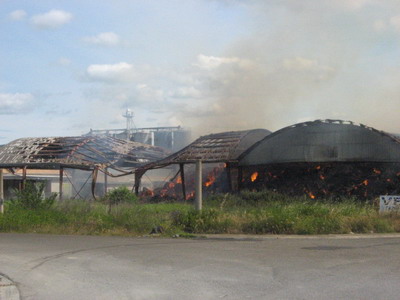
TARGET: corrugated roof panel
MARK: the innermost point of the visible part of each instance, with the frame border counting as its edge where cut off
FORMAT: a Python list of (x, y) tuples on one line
[(324, 141)]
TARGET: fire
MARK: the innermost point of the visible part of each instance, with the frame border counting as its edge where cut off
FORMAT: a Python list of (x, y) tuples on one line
[(164, 193), (376, 171), (190, 195), (311, 195), (254, 176), (147, 192), (210, 180), (318, 167), (179, 180), (365, 182)]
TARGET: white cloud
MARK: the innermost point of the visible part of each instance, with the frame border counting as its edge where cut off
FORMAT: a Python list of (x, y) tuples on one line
[(17, 15), (111, 72), (52, 19), (395, 22), (380, 25), (299, 63), (186, 92), (103, 39), (15, 103), (148, 94), (354, 4), (212, 62)]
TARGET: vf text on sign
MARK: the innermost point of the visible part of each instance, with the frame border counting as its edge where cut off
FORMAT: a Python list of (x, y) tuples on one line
[(389, 203)]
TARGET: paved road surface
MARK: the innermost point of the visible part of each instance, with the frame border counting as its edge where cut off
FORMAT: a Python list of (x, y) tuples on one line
[(81, 267)]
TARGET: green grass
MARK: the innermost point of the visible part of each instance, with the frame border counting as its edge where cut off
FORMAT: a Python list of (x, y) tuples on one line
[(248, 212)]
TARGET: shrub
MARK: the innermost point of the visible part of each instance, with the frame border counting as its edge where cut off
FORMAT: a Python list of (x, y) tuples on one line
[(120, 195), (32, 197)]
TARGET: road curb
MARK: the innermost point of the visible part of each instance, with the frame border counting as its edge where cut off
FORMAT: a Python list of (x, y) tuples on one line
[(8, 289), (244, 237)]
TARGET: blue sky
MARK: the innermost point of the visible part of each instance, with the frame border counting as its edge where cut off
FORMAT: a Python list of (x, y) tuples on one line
[(68, 66)]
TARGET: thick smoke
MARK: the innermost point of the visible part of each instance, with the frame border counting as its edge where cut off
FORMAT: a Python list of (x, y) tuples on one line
[(302, 60)]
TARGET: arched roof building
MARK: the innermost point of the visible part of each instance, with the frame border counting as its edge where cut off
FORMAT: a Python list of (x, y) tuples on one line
[(324, 141)]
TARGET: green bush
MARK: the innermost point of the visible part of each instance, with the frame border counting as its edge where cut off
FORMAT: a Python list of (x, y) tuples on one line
[(32, 197), (120, 195)]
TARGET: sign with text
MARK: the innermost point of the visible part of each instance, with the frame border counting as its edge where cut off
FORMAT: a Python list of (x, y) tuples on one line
[(389, 203)]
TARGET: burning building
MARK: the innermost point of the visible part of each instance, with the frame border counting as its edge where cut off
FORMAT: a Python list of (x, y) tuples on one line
[(219, 151), (324, 158), (72, 163)]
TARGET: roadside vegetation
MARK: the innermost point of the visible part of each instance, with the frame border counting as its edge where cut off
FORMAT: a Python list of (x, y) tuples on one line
[(122, 213)]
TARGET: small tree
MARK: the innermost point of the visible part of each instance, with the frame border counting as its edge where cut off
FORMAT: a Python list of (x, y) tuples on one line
[(32, 197)]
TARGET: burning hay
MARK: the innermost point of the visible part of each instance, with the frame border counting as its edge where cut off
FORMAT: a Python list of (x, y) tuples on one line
[(326, 180), (215, 180), (323, 159)]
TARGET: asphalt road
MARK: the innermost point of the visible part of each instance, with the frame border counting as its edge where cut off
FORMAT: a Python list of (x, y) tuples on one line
[(88, 267)]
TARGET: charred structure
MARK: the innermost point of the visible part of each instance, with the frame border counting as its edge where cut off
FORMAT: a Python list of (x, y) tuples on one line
[(92, 154), (220, 153)]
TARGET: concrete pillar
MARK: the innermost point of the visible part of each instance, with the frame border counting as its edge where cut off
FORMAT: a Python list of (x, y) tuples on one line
[(138, 177), (182, 173), (23, 178), (198, 186), (1, 191), (61, 183), (105, 181)]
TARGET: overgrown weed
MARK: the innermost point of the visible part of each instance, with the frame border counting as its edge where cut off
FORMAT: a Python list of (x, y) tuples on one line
[(248, 212)]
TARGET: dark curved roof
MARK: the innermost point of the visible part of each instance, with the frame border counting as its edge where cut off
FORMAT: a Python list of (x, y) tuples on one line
[(324, 141), (80, 152), (213, 148)]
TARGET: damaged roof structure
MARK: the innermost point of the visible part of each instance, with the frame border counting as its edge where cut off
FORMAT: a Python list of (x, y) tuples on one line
[(224, 147), (80, 152), (114, 157)]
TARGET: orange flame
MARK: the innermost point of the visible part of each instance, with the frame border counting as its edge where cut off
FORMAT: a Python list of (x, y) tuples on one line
[(318, 167), (210, 180), (311, 195), (148, 192), (365, 182), (254, 176), (190, 195), (179, 180), (376, 171)]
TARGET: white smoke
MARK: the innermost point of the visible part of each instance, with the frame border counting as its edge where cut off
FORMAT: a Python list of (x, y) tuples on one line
[(304, 60)]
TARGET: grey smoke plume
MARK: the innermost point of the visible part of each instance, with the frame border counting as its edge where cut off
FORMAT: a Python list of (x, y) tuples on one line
[(302, 60)]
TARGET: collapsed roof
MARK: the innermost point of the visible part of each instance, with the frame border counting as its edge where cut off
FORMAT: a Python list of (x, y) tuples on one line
[(81, 152), (213, 148), (324, 141)]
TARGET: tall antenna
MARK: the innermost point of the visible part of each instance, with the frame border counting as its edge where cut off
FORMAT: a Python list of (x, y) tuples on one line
[(129, 123)]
